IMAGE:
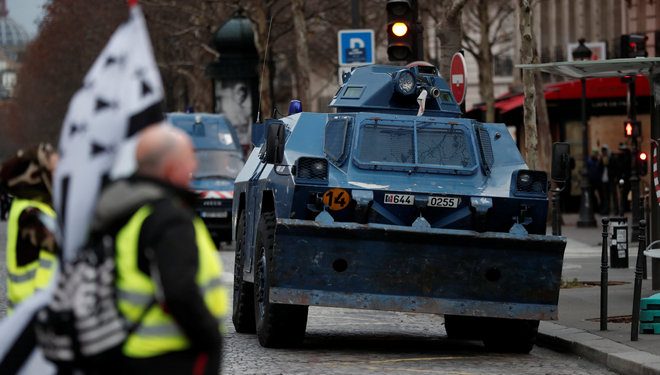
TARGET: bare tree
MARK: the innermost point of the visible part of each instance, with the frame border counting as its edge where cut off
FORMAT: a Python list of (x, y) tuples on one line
[(182, 32), (485, 26), (448, 15), (71, 36), (529, 105), (302, 50)]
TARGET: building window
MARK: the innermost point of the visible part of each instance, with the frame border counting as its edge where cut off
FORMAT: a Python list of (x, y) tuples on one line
[(503, 65)]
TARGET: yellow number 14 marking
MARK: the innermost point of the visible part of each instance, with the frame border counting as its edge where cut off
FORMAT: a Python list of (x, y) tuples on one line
[(336, 199)]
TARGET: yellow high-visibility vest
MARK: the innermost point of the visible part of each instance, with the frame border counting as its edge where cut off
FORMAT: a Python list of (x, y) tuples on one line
[(158, 333), (23, 280)]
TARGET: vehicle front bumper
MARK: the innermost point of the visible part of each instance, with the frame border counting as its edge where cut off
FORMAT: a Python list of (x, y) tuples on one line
[(427, 270)]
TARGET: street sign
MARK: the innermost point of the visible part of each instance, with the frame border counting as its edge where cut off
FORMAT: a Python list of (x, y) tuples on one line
[(356, 47), (458, 77)]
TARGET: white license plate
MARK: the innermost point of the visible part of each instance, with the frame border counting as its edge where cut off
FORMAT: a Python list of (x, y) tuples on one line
[(213, 215), (445, 202), (405, 199)]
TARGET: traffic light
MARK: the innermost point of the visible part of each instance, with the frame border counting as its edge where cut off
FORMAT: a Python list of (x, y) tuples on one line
[(633, 45), (401, 30), (642, 163), (632, 129)]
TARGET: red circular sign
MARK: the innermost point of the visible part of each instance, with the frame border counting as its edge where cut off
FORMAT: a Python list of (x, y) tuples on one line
[(458, 78)]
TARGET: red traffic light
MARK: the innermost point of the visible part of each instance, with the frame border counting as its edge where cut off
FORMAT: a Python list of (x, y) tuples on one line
[(643, 156), (628, 126)]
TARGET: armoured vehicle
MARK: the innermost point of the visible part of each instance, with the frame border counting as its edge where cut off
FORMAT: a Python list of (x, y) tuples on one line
[(395, 203), (220, 158)]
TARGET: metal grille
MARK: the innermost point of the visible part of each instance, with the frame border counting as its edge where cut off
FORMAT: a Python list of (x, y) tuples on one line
[(312, 169), (335, 138), (485, 148), (443, 147), (537, 182), (387, 144)]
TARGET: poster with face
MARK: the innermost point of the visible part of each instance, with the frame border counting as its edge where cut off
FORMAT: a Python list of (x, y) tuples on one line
[(233, 98)]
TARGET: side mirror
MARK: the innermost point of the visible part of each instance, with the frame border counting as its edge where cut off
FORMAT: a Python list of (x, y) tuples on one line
[(273, 151), (561, 156)]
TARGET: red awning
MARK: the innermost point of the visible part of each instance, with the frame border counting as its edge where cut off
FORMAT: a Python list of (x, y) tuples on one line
[(597, 88)]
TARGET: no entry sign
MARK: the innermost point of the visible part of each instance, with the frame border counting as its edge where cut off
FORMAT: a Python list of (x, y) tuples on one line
[(457, 77)]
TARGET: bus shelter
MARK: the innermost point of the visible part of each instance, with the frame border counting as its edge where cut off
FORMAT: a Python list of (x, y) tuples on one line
[(627, 69)]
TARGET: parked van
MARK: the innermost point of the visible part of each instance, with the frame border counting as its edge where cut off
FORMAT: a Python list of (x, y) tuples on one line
[(220, 158)]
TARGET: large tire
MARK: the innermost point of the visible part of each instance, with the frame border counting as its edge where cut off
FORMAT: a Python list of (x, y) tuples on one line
[(278, 325), (243, 306), (511, 335), (460, 327)]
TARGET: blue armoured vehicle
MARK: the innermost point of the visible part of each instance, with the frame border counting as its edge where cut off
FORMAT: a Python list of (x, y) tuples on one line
[(395, 203), (219, 159)]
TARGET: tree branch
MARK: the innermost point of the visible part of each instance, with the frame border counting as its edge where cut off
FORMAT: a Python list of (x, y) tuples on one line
[(456, 7)]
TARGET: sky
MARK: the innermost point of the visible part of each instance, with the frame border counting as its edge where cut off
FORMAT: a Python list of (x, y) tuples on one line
[(26, 13)]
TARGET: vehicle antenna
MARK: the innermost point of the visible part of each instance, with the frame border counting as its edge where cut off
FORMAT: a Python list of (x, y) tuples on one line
[(263, 68)]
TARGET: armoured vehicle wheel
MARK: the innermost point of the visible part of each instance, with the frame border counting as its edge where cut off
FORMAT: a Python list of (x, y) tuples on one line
[(243, 308), (278, 325), (465, 327), (511, 335)]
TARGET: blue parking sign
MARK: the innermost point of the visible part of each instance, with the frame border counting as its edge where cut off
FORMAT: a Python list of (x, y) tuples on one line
[(356, 47)]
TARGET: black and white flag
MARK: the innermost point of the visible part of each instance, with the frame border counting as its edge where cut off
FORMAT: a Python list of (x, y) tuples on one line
[(122, 93)]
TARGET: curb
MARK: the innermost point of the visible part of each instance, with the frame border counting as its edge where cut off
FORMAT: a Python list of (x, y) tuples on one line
[(611, 354)]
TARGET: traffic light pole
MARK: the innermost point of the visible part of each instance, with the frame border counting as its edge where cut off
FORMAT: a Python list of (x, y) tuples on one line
[(419, 41), (634, 173), (355, 13), (654, 80), (586, 218)]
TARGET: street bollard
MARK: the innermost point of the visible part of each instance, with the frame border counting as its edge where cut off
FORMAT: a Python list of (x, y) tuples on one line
[(637, 294), (603, 277), (556, 215)]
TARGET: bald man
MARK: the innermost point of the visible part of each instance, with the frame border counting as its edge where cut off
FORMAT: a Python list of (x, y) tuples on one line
[(168, 272)]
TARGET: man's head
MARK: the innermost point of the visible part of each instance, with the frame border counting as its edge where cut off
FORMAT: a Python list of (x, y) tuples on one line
[(166, 153)]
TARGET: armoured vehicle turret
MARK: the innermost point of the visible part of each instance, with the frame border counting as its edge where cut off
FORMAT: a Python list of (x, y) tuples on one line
[(395, 203)]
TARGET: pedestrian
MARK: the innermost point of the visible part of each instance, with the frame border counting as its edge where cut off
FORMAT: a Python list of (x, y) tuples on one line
[(594, 178), (606, 180), (168, 272), (31, 251)]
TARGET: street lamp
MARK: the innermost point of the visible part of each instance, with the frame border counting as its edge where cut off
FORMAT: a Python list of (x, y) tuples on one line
[(586, 218)]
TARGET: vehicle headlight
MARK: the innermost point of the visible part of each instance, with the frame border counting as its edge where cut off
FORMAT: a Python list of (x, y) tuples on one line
[(315, 169), (404, 82), (531, 182)]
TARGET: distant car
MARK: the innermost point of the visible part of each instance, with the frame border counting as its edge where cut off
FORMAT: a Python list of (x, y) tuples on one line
[(220, 158)]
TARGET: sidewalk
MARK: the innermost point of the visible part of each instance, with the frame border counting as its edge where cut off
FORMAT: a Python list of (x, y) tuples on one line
[(578, 327)]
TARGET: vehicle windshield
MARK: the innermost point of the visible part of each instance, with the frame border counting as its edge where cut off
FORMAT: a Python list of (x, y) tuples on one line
[(422, 144), (218, 164)]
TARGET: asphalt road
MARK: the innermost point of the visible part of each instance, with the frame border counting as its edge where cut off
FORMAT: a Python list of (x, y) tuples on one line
[(341, 341)]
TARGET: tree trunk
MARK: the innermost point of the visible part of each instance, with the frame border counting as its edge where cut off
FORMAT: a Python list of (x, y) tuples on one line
[(529, 105), (450, 34), (543, 124), (302, 54), (259, 15), (486, 89)]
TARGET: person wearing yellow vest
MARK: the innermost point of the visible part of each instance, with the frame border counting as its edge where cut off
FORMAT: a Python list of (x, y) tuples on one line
[(168, 271), (31, 252)]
